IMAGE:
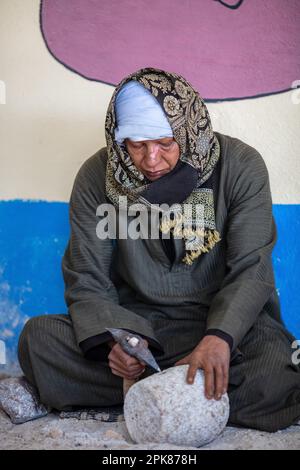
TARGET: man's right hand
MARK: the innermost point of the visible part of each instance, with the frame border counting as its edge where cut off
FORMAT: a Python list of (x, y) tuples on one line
[(122, 364)]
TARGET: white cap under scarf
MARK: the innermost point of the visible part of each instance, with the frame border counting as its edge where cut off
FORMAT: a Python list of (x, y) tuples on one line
[(139, 115)]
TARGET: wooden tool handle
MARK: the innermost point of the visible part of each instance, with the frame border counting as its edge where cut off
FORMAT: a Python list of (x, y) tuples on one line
[(127, 383)]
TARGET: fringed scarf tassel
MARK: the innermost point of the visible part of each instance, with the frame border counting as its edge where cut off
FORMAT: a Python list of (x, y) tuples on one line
[(206, 239), (211, 237)]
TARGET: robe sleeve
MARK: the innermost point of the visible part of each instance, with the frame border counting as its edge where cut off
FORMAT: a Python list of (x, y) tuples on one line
[(90, 295), (250, 238)]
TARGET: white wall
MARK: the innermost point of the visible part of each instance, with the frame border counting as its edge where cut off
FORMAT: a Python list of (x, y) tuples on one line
[(53, 119)]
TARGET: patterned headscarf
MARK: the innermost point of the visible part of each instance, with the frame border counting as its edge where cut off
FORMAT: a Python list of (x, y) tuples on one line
[(199, 153)]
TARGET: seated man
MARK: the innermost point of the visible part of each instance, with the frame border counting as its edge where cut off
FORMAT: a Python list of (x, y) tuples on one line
[(201, 293)]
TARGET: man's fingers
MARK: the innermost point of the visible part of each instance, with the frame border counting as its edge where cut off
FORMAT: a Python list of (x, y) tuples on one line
[(191, 373), (125, 374), (124, 365), (126, 370), (122, 375), (180, 363), (123, 357), (209, 382), (120, 365), (219, 381), (184, 360)]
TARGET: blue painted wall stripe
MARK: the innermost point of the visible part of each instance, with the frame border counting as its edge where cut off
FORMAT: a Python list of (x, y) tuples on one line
[(33, 237)]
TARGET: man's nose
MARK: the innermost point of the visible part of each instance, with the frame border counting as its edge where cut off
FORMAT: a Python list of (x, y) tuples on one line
[(152, 154)]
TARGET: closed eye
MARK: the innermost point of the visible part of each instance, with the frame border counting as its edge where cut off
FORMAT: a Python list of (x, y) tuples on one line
[(167, 145)]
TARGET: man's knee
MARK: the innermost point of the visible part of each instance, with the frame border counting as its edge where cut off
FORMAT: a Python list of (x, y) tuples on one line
[(37, 327), (26, 339), (31, 330), (34, 332)]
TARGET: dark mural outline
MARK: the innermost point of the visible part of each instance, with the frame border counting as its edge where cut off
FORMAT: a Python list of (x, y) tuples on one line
[(208, 100), (232, 7)]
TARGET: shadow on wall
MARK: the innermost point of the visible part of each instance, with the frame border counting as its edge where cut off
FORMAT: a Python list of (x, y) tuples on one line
[(33, 238)]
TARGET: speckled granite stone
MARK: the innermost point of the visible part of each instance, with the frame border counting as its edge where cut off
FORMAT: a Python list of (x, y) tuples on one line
[(165, 408), (20, 400)]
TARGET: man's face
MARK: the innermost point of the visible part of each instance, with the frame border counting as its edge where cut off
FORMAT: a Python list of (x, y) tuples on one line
[(154, 158)]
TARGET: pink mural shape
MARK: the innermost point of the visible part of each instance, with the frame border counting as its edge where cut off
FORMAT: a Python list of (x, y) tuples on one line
[(227, 50)]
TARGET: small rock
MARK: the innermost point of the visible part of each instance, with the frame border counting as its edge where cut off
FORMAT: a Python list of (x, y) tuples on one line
[(55, 433), (20, 400), (110, 434)]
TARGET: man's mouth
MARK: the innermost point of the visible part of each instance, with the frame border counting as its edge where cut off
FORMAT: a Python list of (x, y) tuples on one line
[(155, 174)]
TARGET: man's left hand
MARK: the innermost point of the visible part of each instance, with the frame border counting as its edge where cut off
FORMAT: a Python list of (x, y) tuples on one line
[(213, 356)]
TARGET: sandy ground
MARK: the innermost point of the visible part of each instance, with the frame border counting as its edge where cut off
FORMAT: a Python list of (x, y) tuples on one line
[(52, 432)]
